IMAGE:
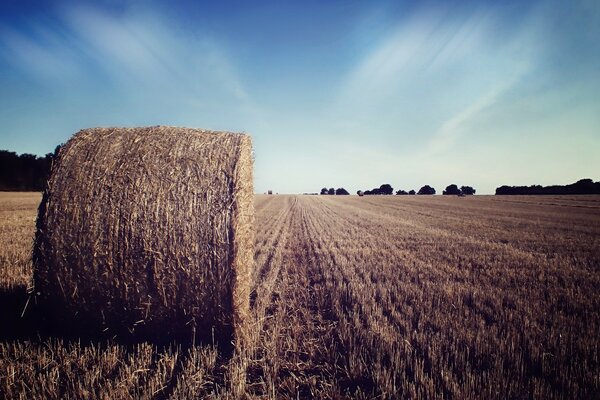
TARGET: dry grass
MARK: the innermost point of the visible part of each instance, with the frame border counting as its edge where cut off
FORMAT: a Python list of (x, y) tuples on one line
[(389, 297), (17, 219), (148, 232)]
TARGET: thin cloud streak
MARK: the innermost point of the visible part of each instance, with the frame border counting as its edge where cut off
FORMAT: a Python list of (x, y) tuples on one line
[(131, 53), (457, 126), (42, 60), (428, 42)]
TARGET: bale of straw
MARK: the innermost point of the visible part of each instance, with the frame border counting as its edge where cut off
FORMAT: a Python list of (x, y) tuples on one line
[(149, 231)]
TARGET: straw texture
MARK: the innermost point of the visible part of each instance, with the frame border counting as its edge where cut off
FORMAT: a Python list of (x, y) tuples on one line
[(149, 232)]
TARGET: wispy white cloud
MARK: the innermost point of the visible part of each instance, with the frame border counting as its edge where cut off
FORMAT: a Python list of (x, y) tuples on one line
[(122, 45), (434, 74), (131, 53), (146, 49), (44, 57), (456, 126), (422, 45)]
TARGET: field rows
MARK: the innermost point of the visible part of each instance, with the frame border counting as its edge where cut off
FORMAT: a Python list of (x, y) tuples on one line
[(389, 297)]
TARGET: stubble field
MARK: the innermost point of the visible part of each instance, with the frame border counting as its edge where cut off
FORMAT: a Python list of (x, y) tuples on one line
[(375, 297)]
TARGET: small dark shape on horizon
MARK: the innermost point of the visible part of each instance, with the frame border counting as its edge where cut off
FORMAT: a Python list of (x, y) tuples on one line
[(452, 190), (332, 191), (467, 190), (385, 189), (428, 190)]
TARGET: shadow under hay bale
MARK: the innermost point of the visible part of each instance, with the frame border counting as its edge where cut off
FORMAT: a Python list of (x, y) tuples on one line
[(146, 234), (16, 320), (23, 319)]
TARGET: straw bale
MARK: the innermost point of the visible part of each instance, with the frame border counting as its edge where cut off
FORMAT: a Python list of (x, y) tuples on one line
[(148, 231)]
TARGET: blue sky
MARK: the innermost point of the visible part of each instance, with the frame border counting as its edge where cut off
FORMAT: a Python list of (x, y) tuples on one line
[(351, 94)]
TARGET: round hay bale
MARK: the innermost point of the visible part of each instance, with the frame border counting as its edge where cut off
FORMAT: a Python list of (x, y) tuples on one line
[(148, 231)]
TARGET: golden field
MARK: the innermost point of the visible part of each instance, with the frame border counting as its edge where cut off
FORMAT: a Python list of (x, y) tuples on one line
[(415, 297)]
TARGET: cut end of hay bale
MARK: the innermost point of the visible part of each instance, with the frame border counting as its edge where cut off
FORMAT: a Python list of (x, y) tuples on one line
[(148, 232)]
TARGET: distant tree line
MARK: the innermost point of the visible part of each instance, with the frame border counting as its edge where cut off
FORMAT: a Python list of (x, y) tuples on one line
[(332, 191), (387, 189), (454, 190), (582, 186), (25, 172), (425, 190)]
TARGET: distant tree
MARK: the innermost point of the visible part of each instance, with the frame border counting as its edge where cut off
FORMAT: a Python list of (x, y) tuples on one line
[(426, 190), (467, 190), (411, 192), (341, 192), (331, 191), (401, 192), (383, 189), (386, 188), (324, 191), (452, 190)]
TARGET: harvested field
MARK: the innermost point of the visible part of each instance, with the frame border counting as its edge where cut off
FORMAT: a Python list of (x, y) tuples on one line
[(363, 297)]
